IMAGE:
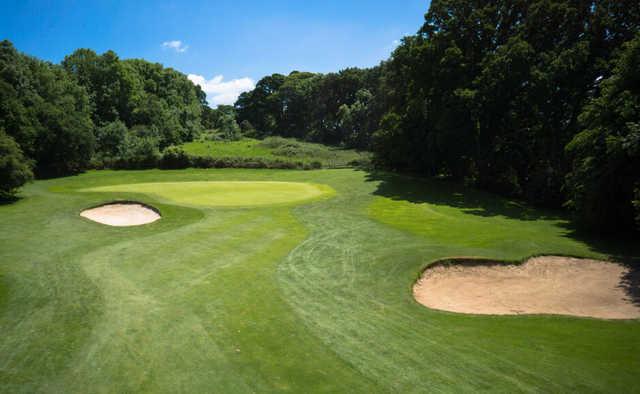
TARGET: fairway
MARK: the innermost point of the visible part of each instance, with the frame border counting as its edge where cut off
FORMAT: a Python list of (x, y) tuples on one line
[(282, 281), (224, 194)]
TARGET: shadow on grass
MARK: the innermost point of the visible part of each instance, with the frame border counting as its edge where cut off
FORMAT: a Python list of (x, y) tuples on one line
[(454, 194), (624, 248), (621, 247), (630, 282), (9, 199)]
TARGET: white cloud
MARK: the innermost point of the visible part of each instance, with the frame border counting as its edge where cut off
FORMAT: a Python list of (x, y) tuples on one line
[(220, 92), (176, 45)]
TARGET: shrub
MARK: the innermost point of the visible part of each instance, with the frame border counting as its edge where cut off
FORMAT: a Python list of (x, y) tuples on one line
[(363, 162), (314, 165), (140, 150), (247, 129), (175, 158), (229, 128), (276, 142)]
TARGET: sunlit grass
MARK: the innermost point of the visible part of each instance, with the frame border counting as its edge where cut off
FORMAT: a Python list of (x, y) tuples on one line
[(279, 148), (311, 296), (224, 194)]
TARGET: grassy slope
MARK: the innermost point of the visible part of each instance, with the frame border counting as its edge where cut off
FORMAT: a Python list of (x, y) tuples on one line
[(252, 148), (245, 148), (304, 298)]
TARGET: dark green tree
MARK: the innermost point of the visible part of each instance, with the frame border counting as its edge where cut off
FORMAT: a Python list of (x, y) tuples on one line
[(109, 138), (15, 169), (46, 112), (605, 175), (229, 127)]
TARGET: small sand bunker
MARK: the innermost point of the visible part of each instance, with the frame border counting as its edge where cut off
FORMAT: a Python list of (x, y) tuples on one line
[(122, 214), (542, 285)]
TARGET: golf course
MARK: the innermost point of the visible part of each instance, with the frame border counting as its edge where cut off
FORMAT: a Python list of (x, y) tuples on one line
[(288, 281), (364, 196)]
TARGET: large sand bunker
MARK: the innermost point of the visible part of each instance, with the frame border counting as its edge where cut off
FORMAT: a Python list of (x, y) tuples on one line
[(541, 285), (122, 214)]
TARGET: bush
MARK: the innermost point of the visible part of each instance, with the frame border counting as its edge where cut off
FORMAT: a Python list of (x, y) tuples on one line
[(361, 163), (210, 135), (276, 142), (175, 158), (140, 150), (15, 169), (314, 165), (247, 129), (246, 162), (229, 128), (292, 148)]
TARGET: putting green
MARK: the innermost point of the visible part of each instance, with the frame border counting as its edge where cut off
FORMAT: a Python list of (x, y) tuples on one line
[(225, 194)]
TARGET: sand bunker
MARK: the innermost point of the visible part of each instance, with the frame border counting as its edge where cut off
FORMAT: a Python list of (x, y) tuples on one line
[(122, 214), (542, 285)]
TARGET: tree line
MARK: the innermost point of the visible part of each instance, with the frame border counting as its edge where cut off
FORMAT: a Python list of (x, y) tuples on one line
[(335, 108), (88, 111), (538, 100)]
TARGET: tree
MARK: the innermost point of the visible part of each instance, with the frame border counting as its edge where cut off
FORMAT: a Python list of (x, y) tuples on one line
[(105, 79), (229, 127), (138, 92), (140, 148), (389, 144), (66, 142), (491, 92), (262, 106), (604, 179), (15, 169), (110, 138), (307, 106), (247, 129), (353, 120), (46, 112)]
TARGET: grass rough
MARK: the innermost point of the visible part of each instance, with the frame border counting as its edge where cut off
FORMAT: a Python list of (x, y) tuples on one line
[(278, 148)]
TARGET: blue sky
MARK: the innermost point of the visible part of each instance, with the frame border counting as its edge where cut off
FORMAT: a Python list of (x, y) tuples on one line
[(224, 45)]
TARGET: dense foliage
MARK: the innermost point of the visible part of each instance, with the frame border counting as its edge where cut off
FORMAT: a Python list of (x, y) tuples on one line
[(492, 92), (14, 169), (45, 112), (335, 108), (93, 109), (530, 99), (606, 155)]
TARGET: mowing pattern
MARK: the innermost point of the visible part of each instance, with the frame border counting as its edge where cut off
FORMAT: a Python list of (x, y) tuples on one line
[(310, 297)]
